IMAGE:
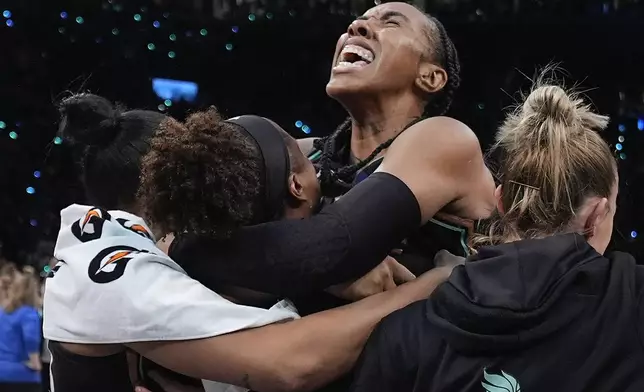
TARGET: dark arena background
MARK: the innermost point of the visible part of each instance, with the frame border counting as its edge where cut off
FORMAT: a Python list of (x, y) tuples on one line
[(273, 58)]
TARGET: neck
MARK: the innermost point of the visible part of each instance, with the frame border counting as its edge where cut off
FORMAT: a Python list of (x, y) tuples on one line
[(376, 120)]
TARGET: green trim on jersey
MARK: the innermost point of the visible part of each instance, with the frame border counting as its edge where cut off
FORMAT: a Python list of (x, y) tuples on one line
[(315, 155), (462, 231)]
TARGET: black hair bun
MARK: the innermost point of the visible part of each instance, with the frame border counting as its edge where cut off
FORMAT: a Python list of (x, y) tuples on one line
[(89, 119)]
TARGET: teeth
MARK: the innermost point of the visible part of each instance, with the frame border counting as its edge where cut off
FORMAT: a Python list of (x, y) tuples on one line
[(357, 64), (365, 54)]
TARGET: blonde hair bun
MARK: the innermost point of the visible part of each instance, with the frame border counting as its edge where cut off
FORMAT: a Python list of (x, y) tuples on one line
[(552, 159), (551, 102)]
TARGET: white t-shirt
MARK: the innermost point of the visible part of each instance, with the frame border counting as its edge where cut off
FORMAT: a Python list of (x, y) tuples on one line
[(112, 285)]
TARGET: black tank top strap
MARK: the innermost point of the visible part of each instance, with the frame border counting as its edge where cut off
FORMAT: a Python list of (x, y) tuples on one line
[(368, 170)]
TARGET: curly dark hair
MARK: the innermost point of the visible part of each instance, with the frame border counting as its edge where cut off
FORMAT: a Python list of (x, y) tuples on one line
[(201, 176), (340, 181)]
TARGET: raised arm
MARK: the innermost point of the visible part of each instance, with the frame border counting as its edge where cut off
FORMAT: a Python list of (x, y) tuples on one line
[(291, 257), (300, 355), (435, 164)]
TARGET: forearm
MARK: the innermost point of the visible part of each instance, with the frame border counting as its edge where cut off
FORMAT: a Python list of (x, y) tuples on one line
[(295, 257), (340, 334), (299, 355)]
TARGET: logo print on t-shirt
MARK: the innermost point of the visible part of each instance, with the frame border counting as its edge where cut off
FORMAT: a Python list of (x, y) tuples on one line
[(90, 227), (135, 227), (500, 383), (109, 264)]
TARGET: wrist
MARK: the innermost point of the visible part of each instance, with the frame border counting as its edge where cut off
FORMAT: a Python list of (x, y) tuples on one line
[(426, 283)]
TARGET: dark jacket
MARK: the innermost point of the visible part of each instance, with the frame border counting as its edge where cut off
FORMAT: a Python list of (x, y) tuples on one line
[(532, 316)]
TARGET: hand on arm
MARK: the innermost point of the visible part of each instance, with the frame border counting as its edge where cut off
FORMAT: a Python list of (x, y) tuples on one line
[(386, 276), (445, 259), (300, 355)]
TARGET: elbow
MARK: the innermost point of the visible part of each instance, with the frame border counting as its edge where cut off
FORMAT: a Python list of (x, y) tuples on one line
[(302, 376), (293, 383)]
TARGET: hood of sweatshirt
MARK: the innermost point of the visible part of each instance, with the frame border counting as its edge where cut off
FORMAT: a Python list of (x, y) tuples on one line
[(503, 297)]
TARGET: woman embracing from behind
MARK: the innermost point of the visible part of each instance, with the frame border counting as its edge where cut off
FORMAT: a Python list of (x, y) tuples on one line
[(114, 289), (542, 308), (405, 82)]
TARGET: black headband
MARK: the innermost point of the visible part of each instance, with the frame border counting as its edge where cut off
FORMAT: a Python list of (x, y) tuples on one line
[(276, 167)]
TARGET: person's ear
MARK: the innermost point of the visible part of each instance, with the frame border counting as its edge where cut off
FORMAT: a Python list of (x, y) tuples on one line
[(431, 78), (498, 194), (296, 188), (597, 212)]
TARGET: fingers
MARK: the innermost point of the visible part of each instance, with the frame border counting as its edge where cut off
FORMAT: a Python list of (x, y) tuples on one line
[(399, 272), (388, 284), (446, 259)]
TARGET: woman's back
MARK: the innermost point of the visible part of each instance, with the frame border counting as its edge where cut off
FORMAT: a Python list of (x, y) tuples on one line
[(543, 309), (19, 336), (547, 314)]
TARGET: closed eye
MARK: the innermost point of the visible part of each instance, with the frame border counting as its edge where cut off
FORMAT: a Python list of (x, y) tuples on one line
[(392, 22)]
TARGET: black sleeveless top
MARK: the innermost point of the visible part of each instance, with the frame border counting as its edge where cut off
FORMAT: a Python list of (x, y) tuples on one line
[(420, 248), (418, 252)]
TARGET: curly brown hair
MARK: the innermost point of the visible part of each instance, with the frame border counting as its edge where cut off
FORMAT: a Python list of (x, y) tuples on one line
[(201, 176)]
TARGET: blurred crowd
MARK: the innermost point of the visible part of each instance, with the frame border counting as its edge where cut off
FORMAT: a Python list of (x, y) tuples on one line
[(24, 363)]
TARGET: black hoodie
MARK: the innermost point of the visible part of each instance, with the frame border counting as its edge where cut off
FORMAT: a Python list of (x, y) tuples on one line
[(533, 316)]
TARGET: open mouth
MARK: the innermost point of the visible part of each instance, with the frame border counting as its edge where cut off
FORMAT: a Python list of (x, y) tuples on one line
[(353, 56)]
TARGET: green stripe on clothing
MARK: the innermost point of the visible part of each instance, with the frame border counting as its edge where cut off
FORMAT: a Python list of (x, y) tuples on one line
[(315, 155), (461, 230)]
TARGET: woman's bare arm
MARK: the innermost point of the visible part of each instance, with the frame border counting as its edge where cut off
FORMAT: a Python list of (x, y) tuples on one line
[(296, 356), (441, 161)]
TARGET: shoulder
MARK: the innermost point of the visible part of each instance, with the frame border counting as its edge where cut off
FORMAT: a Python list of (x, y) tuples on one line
[(628, 267), (438, 141), (306, 145), (27, 312), (445, 131)]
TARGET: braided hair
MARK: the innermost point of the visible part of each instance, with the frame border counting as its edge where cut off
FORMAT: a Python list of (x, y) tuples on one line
[(338, 181)]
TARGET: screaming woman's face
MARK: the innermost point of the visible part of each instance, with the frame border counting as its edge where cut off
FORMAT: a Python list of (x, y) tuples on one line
[(382, 51)]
